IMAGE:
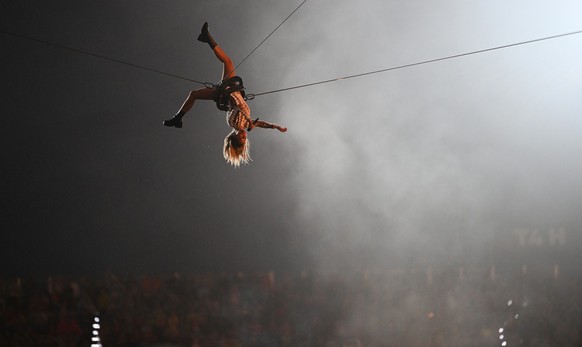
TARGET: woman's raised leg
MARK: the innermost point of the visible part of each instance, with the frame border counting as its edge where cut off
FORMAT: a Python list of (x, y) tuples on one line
[(204, 93), (227, 65)]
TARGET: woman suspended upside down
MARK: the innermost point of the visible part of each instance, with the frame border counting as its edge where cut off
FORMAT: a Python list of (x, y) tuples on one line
[(238, 116)]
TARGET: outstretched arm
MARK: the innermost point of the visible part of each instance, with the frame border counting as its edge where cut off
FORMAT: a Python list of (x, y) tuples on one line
[(267, 125)]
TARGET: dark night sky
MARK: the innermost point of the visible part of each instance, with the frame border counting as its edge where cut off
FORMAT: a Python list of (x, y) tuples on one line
[(436, 161)]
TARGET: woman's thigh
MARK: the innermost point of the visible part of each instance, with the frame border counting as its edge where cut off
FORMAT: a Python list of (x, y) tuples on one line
[(204, 94)]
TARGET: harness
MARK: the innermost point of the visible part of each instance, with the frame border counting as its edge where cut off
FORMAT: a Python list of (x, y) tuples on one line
[(225, 88)]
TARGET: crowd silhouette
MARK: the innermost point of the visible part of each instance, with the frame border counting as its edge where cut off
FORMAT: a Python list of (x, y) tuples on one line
[(448, 306)]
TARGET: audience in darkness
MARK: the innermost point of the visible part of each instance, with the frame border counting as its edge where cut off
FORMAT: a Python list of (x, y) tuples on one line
[(396, 307)]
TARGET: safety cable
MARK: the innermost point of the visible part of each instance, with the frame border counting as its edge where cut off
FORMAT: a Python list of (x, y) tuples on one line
[(207, 84), (252, 96), (99, 56), (266, 38)]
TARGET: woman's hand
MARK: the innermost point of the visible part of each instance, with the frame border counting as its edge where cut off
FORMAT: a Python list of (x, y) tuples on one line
[(252, 124)]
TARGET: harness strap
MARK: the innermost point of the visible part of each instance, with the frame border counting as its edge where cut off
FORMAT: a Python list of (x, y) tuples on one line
[(225, 88)]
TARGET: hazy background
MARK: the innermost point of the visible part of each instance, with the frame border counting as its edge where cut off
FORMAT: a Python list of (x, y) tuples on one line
[(471, 160)]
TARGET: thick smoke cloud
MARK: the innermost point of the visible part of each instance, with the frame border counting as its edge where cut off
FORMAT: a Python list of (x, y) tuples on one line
[(430, 162), (427, 163)]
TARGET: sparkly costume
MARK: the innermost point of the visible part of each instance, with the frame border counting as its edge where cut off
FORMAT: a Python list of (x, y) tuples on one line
[(239, 115)]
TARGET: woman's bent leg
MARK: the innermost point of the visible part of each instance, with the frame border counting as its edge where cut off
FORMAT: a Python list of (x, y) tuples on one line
[(199, 94)]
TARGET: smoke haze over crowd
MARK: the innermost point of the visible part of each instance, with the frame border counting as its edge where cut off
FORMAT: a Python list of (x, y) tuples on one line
[(437, 163)]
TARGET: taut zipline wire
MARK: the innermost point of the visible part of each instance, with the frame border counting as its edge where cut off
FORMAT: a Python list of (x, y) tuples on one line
[(97, 56), (140, 66), (272, 32), (252, 96), (416, 64)]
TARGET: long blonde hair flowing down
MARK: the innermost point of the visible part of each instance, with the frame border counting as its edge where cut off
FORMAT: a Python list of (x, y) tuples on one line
[(234, 152)]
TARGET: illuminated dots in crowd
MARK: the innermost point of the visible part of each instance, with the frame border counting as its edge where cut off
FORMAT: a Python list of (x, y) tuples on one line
[(516, 316), (500, 330), (504, 343), (510, 302), (96, 341), (501, 337)]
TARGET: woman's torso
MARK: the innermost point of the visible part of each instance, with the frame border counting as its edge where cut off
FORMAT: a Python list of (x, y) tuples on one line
[(239, 114)]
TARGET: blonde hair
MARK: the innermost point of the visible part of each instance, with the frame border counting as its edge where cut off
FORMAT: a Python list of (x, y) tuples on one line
[(234, 152)]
